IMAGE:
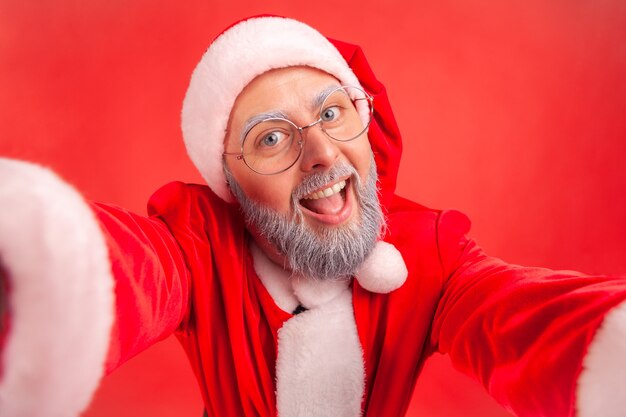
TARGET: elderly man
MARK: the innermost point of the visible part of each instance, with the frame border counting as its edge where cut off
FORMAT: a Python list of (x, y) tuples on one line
[(297, 282)]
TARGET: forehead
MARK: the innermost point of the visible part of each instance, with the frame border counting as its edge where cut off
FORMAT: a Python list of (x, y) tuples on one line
[(286, 90)]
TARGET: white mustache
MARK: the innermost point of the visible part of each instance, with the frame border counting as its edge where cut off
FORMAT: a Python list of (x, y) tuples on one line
[(318, 180)]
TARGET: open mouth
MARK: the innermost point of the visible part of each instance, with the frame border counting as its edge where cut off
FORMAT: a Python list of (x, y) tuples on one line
[(332, 204)]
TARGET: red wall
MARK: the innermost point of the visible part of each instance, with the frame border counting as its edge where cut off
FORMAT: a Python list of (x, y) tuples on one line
[(513, 112)]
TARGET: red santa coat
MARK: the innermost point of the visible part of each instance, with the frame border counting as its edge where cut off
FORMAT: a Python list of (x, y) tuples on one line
[(523, 332)]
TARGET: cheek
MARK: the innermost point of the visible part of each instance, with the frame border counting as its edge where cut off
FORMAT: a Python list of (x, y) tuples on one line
[(271, 191), (360, 157)]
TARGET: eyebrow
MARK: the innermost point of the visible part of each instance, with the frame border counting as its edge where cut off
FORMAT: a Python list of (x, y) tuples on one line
[(258, 118), (321, 96), (316, 103)]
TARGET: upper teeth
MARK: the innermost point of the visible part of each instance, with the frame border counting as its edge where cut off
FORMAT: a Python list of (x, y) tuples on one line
[(327, 192)]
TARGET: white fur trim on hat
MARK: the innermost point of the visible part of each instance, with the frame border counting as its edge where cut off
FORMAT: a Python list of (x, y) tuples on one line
[(603, 380), (384, 269), (60, 297), (235, 58)]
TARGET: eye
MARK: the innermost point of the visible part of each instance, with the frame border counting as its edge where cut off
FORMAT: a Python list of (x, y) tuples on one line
[(272, 139), (330, 114)]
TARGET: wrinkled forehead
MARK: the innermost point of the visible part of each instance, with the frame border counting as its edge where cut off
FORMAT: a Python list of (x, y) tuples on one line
[(291, 92), (298, 86)]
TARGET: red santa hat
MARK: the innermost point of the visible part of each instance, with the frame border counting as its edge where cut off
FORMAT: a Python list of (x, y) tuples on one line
[(241, 53)]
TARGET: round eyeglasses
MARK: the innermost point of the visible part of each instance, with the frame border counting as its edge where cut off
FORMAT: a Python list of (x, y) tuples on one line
[(273, 145)]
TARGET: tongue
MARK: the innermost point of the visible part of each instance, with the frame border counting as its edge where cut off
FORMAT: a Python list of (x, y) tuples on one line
[(327, 205)]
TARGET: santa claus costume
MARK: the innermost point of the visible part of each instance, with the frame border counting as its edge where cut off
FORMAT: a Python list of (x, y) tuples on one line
[(261, 341)]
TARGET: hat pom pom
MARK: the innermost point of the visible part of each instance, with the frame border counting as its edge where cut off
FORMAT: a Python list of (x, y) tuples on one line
[(383, 270)]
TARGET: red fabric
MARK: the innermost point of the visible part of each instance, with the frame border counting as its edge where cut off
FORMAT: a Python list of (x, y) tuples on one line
[(232, 332), (152, 283), (522, 332)]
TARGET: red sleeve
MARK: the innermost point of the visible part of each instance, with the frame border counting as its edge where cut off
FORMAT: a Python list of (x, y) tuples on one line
[(151, 281), (522, 332)]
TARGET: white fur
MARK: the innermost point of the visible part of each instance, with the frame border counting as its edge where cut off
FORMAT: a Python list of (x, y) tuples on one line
[(314, 293), (61, 295), (384, 269), (235, 58), (275, 279), (602, 384), (319, 369)]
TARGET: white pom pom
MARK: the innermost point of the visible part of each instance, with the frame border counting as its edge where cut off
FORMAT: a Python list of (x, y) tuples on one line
[(384, 270)]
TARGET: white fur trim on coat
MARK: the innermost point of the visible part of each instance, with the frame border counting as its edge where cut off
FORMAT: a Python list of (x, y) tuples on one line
[(235, 58), (314, 293), (319, 368), (275, 279), (60, 297), (602, 384)]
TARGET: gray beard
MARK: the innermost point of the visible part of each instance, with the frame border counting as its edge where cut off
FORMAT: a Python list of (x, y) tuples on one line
[(328, 252)]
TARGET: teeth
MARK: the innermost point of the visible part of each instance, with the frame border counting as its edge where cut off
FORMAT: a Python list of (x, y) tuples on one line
[(327, 192)]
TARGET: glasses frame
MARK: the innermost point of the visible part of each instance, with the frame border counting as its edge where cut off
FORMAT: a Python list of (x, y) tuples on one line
[(300, 143)]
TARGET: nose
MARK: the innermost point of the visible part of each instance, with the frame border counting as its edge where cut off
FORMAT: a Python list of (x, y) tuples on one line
[(320, 151)]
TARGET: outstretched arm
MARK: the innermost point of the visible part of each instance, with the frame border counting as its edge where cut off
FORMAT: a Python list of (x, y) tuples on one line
[(84, 286), (542, 342)]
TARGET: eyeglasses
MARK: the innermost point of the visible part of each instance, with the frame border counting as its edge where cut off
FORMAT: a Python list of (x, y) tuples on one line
[(274, 145)]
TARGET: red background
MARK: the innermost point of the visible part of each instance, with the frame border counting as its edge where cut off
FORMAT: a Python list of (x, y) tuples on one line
[(513, 112)]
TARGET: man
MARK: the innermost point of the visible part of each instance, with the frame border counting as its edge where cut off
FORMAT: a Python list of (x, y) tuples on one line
[(298, 283)]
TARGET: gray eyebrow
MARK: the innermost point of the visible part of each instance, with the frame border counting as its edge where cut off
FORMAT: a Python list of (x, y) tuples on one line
[(258, 118), (321, 96)]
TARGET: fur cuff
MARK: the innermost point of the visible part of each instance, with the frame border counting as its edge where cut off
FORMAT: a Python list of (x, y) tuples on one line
[(61, 294), (602, 383)]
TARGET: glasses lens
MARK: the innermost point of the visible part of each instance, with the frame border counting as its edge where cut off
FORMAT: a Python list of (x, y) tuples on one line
[(346, 113), (272, 146)]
